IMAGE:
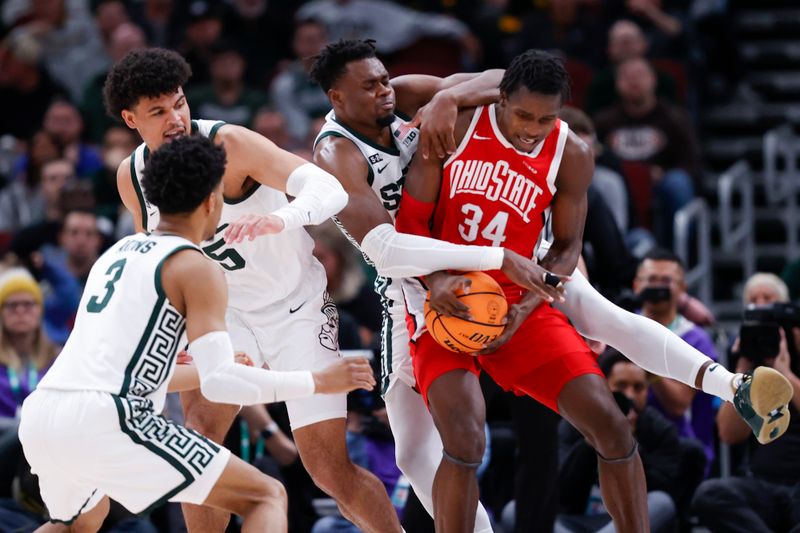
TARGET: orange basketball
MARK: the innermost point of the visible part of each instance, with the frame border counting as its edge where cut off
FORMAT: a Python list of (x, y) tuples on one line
[(488, 306)]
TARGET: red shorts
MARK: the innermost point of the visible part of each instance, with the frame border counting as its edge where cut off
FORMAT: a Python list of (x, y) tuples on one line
[(543, 355)]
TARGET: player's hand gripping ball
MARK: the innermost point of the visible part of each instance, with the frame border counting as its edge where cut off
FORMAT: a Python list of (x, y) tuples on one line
[(488, 307)]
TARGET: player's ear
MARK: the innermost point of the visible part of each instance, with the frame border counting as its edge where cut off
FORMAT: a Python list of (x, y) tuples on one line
[(503, 98), (210, 202), (129, 118), (335, 97)]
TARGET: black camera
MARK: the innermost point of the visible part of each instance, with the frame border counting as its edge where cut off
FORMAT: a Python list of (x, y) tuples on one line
[(655, 294), (632, 302), (624, 403), (759, 334)]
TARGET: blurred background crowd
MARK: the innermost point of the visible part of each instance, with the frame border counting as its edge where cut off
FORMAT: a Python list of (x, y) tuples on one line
[(668, 93)]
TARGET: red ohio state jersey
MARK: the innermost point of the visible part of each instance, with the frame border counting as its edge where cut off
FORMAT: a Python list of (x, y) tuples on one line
[(494, 195)]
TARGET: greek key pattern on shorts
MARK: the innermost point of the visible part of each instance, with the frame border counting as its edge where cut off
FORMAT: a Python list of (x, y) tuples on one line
[(381, 286), (187, 450), (154, 363)]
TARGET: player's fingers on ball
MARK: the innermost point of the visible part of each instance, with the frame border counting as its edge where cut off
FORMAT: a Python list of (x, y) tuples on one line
[(466, 284)]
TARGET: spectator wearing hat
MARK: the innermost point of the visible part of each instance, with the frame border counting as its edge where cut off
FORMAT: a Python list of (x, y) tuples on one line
[(26, 353)]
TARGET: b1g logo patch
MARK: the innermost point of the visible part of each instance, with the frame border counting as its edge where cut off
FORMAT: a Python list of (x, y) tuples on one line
[(405, 134)]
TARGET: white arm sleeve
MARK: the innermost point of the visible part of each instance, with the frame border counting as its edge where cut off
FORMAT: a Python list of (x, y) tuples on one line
[(400, 255), (317, 197), (224, 381)]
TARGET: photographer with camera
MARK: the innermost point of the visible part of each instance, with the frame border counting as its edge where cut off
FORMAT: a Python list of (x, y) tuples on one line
[(659, 285), (671, 469), (767, 497)]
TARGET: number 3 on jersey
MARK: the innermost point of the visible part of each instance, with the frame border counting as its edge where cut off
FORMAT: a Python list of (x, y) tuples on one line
[(96, 304), (494, 232)]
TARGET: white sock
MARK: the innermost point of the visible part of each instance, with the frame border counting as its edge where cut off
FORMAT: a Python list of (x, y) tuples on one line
[(718, 381)]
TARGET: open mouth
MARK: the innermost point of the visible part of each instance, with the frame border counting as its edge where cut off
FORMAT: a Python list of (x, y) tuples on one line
[(528, 142), (175, 133)]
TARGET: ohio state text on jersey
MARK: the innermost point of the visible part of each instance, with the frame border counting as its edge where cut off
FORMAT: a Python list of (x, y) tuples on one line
[(494, 195)]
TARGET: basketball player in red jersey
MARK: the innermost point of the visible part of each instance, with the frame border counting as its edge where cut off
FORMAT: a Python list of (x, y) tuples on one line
[(515, 160)]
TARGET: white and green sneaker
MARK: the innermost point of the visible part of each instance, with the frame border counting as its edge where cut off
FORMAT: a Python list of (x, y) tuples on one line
[(762, 401)]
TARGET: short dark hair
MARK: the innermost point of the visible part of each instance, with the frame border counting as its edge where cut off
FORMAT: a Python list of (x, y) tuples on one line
[(182, 173), (539, 72), (663, 254), (144, 73), (609, 358), (330, 64)]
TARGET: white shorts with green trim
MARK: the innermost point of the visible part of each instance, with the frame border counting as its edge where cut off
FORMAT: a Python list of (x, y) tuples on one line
[(85, 445), (300, 335)]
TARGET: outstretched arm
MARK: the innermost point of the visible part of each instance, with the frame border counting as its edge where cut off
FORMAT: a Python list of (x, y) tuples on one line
[(221, 379), (434, 104), (317, 195), (368, 223)]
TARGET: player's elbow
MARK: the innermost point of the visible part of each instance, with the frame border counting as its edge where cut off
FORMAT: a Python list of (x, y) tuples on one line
[(217, 389), (377, 245), (338, 199)]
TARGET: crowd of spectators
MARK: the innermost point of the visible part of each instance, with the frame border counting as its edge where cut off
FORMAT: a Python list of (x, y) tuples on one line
[(636, 93)]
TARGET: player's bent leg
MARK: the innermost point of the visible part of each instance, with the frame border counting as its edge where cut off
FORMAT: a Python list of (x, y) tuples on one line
[(361, 496), (587, 404), (260, 500), (212, 420), (88, 522), (456, 404), (418, 447)]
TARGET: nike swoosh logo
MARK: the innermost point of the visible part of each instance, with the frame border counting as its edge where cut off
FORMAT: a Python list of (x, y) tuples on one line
[(712, 368), (530, 168), (481, 137), (296, 309), (383, 168)]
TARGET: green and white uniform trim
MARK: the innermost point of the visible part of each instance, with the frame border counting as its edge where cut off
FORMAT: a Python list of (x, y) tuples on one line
[(387, 167), (264, 274), (127, 344), (110, 382)]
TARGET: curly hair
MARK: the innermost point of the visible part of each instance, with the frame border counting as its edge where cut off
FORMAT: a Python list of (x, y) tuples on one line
[(330, 64), (182, 173), (539, 72), (144, 73)]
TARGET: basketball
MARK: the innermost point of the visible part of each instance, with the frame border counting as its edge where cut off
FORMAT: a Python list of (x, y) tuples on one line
[(488, 307)]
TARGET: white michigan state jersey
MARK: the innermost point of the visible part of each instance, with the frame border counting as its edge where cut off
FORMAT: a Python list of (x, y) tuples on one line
[(127, 332), (387, 172), (260, 273)]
